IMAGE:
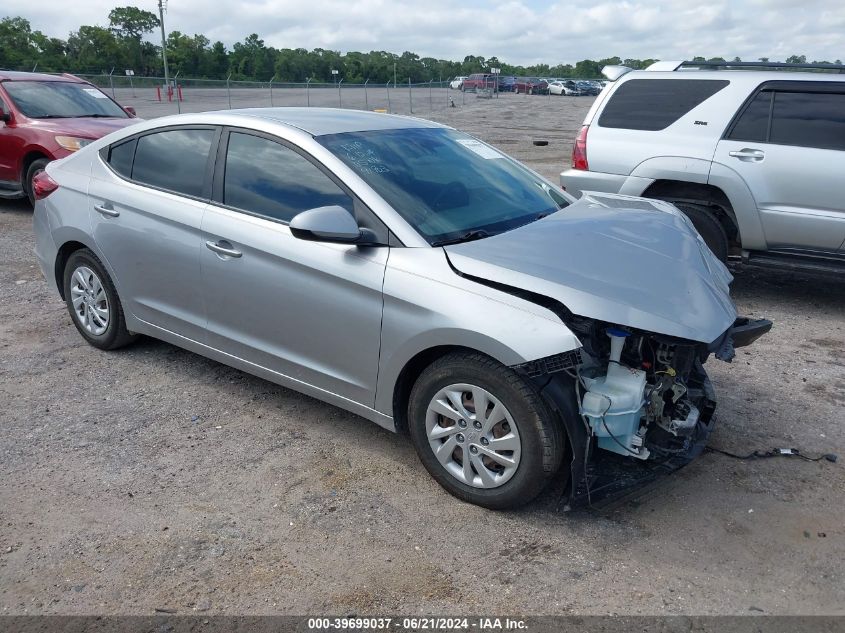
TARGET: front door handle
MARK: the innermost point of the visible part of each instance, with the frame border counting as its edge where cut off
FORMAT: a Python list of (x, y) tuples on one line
[(747, 154), (104, 210), (223, 248)]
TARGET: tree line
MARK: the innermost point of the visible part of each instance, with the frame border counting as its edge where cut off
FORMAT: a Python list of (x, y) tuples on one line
[(125, 44)]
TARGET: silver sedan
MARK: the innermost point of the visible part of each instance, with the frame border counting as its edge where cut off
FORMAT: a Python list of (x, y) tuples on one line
[(406, 272)]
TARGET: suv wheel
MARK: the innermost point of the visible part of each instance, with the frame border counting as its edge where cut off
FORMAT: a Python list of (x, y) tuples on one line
[(34, 169), (483, 432), (708, 226)]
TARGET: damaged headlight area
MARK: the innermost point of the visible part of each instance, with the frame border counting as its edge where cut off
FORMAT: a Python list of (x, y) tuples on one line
[(635, 404)]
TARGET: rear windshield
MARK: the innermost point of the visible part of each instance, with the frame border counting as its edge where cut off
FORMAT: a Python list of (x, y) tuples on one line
[(655, 104), (446, 183), (61, 99)]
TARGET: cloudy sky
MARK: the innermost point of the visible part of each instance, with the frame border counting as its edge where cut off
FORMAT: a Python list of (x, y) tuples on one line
[(516, 31)]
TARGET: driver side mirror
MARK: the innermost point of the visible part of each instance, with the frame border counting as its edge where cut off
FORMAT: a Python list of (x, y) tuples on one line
[(130, 111), (332, 224), (5, 115)]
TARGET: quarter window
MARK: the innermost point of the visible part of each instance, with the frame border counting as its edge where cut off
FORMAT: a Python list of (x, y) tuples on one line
[(655, 104), (268, 179), (121, 157), (175, 160)]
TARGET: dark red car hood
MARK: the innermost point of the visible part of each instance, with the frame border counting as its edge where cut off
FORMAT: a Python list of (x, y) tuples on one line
[(82, 127)]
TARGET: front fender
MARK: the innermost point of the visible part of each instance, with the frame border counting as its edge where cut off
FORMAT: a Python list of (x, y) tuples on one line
[(427, 305)]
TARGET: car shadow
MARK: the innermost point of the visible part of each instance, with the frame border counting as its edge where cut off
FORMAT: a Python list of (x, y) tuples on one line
[(17, 206), (819, 289)]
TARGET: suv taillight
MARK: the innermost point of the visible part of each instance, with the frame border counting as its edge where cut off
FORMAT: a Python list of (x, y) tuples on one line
[(579, 150), (43, 186)]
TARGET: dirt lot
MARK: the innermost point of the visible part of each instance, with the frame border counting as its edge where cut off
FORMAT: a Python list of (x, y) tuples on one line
[(154, 478)]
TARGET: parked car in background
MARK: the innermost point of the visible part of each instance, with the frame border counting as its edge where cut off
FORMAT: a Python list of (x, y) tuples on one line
[(406, 272), (561, 88), (506, 83), (456, 83), (588, 88), (753, 156), (530, 85), (479, 81), (45, 117)]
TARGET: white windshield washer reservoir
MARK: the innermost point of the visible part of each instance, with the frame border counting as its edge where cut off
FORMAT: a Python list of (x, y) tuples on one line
[(613, 403)]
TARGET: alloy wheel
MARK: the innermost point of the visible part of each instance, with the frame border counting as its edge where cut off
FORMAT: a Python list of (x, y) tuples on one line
[(90, 303), (473, 436)]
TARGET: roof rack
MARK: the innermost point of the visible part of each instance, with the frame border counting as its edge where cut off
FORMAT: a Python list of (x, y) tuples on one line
[(779, 65)]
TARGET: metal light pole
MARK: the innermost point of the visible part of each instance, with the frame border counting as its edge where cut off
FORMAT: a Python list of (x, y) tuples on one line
[(161, 8)]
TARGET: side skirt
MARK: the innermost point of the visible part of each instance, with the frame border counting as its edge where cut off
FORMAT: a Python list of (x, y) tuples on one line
[(143, 327)]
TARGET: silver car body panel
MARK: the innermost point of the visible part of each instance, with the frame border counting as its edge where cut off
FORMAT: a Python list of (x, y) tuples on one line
[(340, 322), (659, 276)]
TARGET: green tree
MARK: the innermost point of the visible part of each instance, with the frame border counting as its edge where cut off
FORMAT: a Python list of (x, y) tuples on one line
[(130, 25), (796, 59)]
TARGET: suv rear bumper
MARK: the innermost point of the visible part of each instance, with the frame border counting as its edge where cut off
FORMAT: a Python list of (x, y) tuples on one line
[(577, 181)]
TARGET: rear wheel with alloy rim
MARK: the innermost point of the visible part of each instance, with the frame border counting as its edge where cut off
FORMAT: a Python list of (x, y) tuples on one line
[(483, 432), (93, 302)]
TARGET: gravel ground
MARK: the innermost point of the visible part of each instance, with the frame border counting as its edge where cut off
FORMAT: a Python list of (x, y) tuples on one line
[(154, 478)]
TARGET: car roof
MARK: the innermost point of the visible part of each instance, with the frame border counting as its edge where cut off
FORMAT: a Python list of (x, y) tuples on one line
[(749, 76), (322, 121), (13, 75)]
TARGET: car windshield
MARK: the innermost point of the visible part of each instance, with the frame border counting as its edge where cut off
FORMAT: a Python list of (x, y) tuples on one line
[(61, 99), (449, 186)]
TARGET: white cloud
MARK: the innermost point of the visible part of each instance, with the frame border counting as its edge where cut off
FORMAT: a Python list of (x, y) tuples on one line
[(516, 31)]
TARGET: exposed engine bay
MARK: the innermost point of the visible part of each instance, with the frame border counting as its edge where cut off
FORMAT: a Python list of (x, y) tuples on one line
[(644, 402), (643, 395)]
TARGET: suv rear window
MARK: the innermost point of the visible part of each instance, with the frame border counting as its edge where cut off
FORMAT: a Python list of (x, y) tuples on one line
[(655, 104)]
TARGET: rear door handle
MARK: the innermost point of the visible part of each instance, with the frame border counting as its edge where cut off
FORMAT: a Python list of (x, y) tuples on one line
[(104, 210), (748, 154), (223, 247)]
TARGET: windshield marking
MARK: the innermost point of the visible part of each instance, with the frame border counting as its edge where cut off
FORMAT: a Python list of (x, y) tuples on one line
[(480, 148)]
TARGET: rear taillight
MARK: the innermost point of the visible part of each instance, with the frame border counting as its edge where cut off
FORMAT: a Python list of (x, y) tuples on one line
[(43, 186), (579, 150)]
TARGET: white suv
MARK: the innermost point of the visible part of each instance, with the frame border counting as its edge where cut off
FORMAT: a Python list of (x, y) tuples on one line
[(754, 158)]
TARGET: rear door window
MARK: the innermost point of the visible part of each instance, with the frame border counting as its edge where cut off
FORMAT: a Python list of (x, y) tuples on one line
[(803, 119), (176, 160), (655, 104), (809, 120)]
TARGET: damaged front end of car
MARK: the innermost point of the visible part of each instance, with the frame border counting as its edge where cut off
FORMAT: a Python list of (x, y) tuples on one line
[(635, 404), (649, 303)]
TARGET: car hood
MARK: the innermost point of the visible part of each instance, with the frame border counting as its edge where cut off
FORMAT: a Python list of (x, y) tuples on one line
[(624, 260), (83, 127)]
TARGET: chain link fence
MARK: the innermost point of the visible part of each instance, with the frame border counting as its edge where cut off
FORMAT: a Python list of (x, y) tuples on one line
[(151, 97)]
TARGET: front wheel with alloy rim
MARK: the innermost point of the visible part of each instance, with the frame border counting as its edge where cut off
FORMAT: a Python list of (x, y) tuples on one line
[(93, 302), (483, 432)]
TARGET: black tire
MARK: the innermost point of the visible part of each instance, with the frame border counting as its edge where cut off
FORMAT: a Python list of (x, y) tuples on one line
[(115, 335), (541, 437), (32, 171), (708, 226)]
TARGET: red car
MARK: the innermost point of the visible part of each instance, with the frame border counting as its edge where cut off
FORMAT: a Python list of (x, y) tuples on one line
[(479, 81), (45, 117), (530, 86)]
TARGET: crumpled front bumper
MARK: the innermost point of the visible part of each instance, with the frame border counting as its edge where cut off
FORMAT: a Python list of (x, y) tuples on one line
[(743, 332)]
